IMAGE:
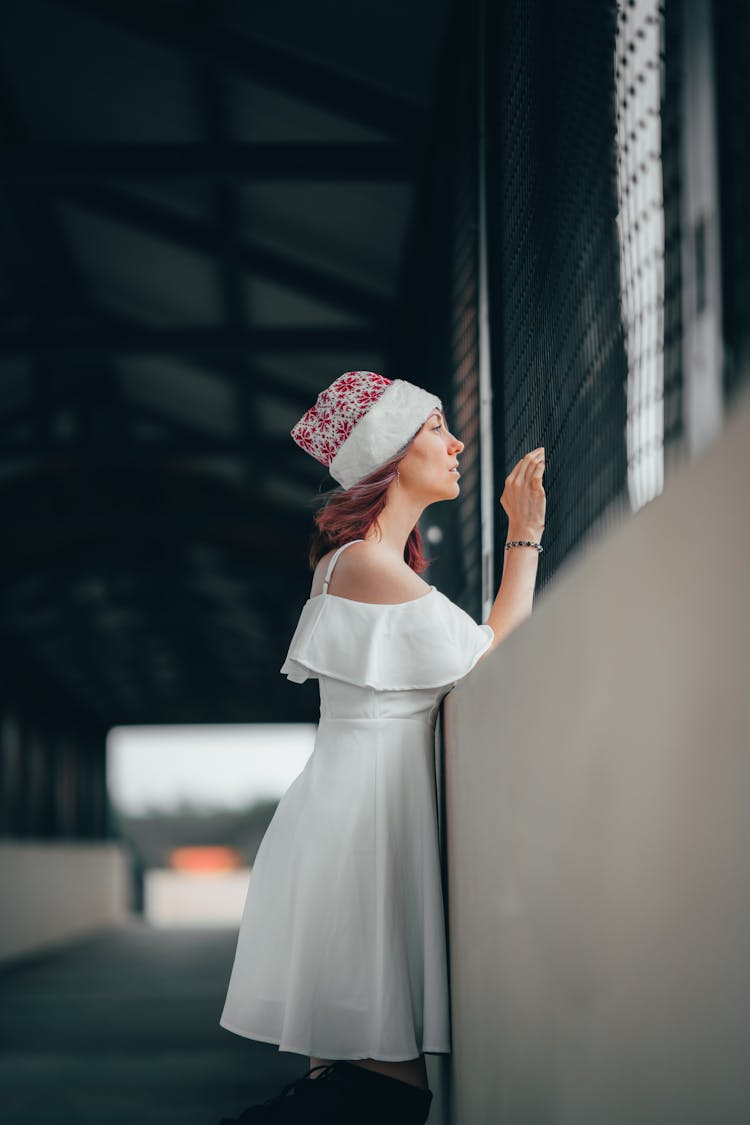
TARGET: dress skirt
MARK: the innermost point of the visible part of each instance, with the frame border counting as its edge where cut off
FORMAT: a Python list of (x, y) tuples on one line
[(341, 952), (342, 949)]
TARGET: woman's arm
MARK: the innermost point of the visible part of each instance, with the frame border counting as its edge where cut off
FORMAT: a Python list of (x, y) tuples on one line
[(525, 502), (515, 596)]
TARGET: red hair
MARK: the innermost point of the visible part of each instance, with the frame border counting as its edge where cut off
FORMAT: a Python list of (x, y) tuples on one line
[(349, 513)]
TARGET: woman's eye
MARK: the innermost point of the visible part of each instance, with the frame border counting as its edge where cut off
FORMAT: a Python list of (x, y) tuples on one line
[(438, 427)]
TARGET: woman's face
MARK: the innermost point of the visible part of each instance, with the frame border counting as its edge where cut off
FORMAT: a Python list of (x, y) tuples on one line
[(426, 470)]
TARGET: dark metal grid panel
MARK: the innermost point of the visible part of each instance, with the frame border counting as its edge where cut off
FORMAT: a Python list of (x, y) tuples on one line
[(732, 49), (557, 339), (559, 262), (671, 164), (639, 94)]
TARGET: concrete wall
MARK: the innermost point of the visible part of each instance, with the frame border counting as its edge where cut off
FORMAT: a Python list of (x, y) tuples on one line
[(597, 789), (52, 892)]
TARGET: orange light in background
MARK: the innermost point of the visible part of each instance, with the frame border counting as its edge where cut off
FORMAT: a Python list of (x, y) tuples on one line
[(205, 859)]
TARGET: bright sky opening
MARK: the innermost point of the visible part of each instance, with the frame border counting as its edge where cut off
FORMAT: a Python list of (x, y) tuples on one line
[(217, 766)]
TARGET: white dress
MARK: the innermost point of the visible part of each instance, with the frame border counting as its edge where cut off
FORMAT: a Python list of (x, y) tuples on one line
[(341, 952)]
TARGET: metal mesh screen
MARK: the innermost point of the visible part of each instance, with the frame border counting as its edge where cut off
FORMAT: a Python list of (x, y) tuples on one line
[(584, 185), (640, 228), (559, 349), (732, 46), (672, 291)]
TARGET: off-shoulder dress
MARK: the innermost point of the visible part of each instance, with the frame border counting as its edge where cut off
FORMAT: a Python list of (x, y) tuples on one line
[(341, 952)]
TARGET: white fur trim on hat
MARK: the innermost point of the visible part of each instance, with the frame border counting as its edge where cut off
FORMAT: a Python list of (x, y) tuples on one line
[(388, 425)]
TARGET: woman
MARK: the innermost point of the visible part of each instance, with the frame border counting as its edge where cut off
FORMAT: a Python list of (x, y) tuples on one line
[(341, 953)]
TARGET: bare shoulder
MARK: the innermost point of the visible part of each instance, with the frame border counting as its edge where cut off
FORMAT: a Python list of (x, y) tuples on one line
[(366, 572)]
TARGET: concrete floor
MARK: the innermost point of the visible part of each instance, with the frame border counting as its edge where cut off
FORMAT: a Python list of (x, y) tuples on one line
[(123, 1028)]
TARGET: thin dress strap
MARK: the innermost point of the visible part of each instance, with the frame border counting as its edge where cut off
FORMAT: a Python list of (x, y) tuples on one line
[(333, 559)]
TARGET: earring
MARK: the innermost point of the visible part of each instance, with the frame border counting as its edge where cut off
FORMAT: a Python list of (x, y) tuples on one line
[(398, 477)]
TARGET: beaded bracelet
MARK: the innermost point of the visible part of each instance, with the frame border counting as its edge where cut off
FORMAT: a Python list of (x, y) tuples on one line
[(524, 543)]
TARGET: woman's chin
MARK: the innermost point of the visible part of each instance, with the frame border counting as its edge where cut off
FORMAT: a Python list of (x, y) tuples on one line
[(450, 493)]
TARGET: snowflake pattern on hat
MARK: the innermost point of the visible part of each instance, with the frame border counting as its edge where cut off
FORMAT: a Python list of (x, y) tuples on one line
[(323, 429)]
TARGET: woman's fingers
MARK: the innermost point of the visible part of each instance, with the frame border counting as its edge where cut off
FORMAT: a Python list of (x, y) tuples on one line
[(534, 477), (526, 465), (524, 499), (533, 463), (537, 480)]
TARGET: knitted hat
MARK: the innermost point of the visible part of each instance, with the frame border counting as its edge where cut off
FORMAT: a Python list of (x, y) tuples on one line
[(360, 422)]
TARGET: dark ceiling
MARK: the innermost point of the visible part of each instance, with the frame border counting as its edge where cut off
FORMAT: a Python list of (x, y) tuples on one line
[(203, 209)]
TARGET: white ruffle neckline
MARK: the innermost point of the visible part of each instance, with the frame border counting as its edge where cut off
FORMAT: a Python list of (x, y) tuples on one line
[(385, 646), (377, 605)]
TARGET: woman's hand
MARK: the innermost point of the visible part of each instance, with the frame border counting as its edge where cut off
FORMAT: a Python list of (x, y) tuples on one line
[(523, 497)]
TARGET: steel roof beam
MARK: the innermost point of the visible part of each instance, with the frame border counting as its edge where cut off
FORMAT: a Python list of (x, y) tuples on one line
[(256, 259), (57, 162), (111, 336), (255, 59)]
